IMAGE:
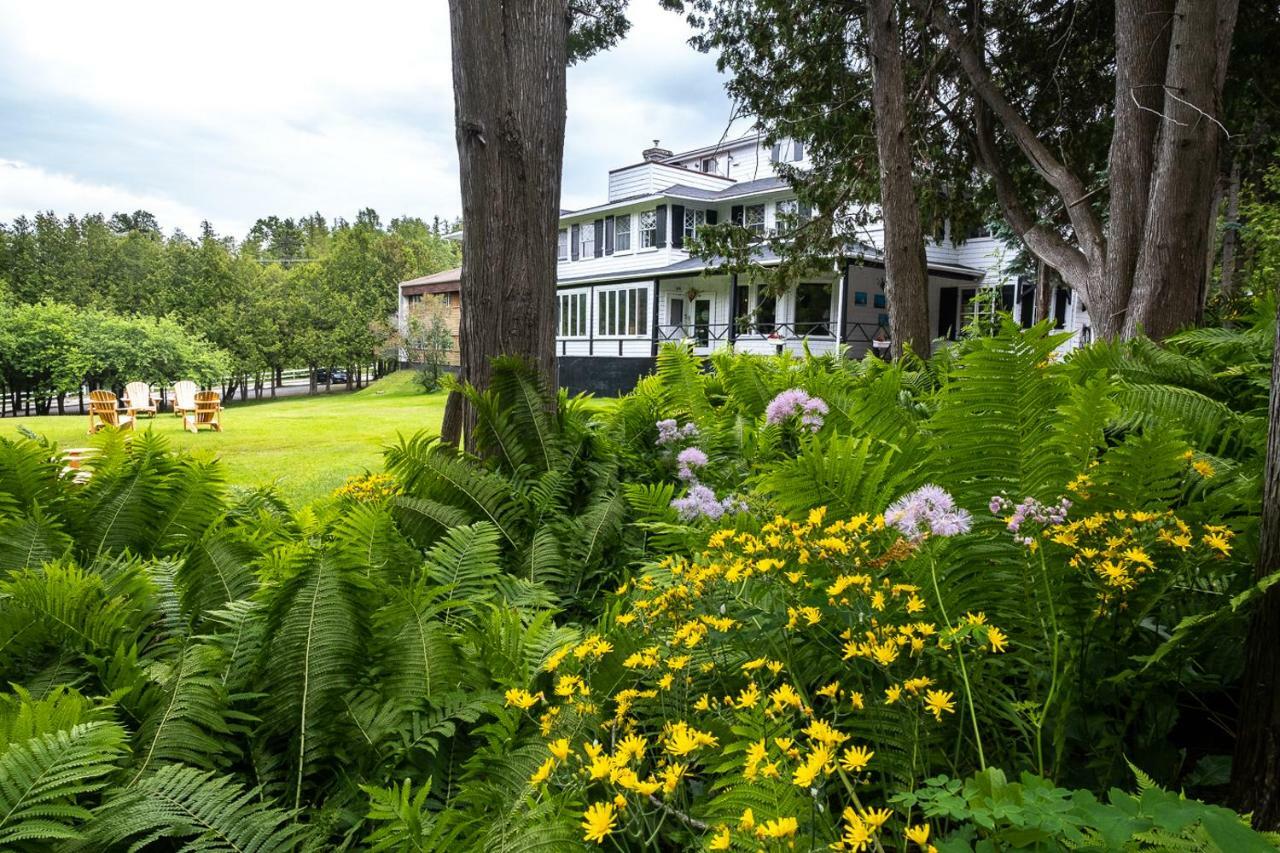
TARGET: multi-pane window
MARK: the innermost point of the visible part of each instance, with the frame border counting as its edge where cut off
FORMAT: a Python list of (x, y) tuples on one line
[(648, 229), (753, 218), (573, 315), (710, 166), (622, 312), (562, 246), (622, 233), (413, 299), (587, 241), (693, 219), (788, 207), (813, 309)]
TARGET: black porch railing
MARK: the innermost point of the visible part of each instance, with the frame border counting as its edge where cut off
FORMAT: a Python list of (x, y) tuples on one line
[(858, 336)]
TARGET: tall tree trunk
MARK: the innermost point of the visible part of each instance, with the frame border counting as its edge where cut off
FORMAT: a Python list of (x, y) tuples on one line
[(1142, 55), (509, 61), (1255, 768), (1169, 277), (1231, 237), (906, 275), (1044, 293)]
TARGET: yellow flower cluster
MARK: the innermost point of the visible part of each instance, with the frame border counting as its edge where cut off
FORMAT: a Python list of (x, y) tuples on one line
[(685, 700), (1119, 549), (368, 488)]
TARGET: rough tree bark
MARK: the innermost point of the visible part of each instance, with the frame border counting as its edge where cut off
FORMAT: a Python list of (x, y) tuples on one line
[(906, 275), (1169, 279), (1255, 767), (509, 61)]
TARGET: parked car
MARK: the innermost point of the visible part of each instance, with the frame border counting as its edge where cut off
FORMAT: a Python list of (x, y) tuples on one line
[(322, 376)]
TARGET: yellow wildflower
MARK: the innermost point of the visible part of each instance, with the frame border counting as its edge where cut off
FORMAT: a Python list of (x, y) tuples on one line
[(671, 776), (522, 699), (721, 840), (543, 773), (997, 639), (938, 701), (918, 834), (856, 758), (1204, 468), (747, 821), (782, 827), (559, 748), (597, 821)]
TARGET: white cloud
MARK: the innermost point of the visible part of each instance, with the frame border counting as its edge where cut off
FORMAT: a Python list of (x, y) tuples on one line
[(240, 110), (27, 189)]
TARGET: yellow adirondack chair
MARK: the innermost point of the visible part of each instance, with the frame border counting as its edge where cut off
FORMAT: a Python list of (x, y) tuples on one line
[(207, 413), (184, 397), (138, 400), (104, 411)]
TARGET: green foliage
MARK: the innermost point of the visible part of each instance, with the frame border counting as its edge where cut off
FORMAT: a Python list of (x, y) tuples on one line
[(213, 670), (990, 812)]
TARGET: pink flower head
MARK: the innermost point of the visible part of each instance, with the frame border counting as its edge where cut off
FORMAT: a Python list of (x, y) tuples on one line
[(796, 401), (928, 511)]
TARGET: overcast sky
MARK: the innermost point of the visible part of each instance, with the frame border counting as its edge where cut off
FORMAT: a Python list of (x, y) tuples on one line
[(235, 110)]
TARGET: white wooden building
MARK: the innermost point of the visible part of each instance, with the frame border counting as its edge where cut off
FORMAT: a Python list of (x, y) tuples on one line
[(627, 284)]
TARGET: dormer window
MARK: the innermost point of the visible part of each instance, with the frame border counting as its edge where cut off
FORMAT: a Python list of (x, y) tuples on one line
[(693, 219), (787, 151), (648, 229), (710, 165)]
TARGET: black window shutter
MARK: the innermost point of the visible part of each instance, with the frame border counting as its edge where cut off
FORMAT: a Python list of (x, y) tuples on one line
[(947, 313), (799, 150), (574, 233), (711, 217), (661, 212), (608, 235), (735, 214), (677, 226), (776, 154), (1061, 297), (599, 241)]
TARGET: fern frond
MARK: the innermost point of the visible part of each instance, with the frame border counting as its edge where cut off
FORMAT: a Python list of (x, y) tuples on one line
[(204, 810), (43, 779)]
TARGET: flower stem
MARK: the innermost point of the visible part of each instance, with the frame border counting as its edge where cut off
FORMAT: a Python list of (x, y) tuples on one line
[(964, 674)]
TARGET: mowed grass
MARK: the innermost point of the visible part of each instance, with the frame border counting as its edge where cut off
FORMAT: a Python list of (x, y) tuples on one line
[(306, 446)]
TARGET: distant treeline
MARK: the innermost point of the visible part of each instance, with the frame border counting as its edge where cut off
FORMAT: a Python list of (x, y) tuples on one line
[(293, 293)]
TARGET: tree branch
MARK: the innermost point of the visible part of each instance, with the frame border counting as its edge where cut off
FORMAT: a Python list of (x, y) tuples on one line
[(1084, 221)]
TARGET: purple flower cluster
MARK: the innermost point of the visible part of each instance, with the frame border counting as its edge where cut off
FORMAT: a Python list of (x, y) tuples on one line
[(689, 459), (929, 510), (670, 432), (796, 401), (1029, 510), (701, 502)]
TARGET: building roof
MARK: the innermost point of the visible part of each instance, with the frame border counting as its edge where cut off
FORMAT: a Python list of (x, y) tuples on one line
[(764, 257), (441, 282)]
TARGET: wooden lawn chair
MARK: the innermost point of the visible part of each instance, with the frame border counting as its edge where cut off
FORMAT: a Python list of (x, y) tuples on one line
[(104, 411), (138, 400), (184, 397), (207, 413)]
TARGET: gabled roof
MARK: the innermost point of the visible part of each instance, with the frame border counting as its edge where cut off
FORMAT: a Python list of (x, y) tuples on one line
[(453, 276)]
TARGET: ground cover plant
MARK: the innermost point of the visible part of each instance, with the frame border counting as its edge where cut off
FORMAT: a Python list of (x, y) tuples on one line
[(992, 601)]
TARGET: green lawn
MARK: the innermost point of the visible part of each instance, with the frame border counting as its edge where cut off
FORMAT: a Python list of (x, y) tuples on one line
[(306, 445)]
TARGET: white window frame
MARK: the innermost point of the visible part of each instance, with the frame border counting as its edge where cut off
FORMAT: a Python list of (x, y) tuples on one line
[(624, 311), (693, 218), (756, 228), (586, 241), (713, 162), (786, 207), (649, 235), (619, 249), (573, 314), (562, 245)]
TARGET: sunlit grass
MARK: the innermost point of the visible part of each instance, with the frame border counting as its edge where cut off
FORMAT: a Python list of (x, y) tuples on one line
[(307, 446)]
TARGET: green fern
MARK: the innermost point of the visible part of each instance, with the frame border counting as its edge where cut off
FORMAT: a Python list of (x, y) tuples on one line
[(44, 780), (204, 811)]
